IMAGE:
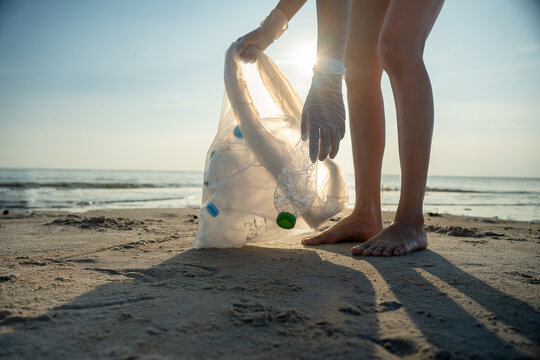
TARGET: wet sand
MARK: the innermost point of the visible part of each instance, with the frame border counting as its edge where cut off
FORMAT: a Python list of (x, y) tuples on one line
[(126, 284)]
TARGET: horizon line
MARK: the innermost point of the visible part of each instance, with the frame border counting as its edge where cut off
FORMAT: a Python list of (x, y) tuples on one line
[(201, 171)]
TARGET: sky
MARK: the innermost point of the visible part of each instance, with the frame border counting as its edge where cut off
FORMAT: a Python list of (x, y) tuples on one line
[(132, 84)]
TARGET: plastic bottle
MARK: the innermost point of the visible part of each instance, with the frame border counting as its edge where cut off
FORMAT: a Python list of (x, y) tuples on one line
[(296, 186)]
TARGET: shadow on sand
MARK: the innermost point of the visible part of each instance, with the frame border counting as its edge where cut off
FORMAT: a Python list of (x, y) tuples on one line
[(479, 321), (270, 303)]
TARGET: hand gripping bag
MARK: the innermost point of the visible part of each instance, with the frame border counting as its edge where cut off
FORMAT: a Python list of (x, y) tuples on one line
[(258, 178)]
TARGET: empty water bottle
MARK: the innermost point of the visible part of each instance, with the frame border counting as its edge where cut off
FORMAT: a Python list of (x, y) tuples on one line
[(296, 186)]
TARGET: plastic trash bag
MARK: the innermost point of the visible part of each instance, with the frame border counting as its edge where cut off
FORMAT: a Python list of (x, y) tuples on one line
[(259, 183)]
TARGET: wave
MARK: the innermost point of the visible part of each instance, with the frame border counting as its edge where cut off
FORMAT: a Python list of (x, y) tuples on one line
[(131, 200), (24, 204), (433, 189), (128, 185), (466, 204), (88, 185), (466, 191)]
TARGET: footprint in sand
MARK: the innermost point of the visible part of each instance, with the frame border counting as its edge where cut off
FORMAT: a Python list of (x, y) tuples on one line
[(99, 223), (387, 306), (398, 346), (351, 311)]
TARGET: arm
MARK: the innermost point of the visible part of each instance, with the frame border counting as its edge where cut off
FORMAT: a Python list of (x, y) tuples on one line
[(270, 30), (332, 28), (290, 7), (323, 116)]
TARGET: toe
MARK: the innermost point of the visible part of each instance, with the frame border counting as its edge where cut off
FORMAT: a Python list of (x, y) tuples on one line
[(319, 239), (388, 250), (311, 241), (378, 251), (362, 248), (370, 251), (400, 250), (366, 252), (358, 250)]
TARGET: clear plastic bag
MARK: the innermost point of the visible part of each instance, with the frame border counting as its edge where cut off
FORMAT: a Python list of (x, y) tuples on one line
[(259, 183)]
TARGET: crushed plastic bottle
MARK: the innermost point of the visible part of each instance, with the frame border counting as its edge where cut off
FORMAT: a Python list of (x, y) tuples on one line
[(296, 186)]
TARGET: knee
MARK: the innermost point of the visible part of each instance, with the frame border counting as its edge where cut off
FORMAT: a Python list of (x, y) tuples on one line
[(398, 57)]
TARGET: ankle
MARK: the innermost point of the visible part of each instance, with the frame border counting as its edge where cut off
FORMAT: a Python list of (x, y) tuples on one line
[(368, 214), (414, 220)]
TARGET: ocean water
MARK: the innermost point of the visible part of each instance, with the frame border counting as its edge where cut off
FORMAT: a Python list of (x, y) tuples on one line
[(82, 190)]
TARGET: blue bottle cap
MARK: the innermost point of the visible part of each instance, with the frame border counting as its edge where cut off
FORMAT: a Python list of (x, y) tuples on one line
[(237, 132), (212, 209)]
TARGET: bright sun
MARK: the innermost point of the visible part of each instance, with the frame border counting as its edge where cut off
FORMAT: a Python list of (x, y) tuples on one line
[(305, 55)]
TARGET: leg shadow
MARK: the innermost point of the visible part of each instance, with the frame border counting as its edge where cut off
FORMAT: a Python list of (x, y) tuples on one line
[(252, 302), (456, 311)]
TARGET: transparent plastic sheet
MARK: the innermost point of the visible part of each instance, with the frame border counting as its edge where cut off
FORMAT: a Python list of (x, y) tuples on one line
[(257, 166)]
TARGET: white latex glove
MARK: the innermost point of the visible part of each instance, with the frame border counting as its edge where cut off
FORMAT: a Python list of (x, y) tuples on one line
[(323, 116), (270, 30)]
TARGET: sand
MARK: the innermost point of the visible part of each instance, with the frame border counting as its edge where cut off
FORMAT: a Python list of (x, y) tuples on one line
[(126, 284)]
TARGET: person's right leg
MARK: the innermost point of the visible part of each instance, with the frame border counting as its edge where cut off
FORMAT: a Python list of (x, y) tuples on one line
[(366, 116), (401, 46)]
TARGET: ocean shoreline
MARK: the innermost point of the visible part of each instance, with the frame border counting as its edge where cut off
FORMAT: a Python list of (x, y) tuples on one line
[(79, 191), (196, 209)]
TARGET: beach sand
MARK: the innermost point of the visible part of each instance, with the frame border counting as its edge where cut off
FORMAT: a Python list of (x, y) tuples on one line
[(126, 284)]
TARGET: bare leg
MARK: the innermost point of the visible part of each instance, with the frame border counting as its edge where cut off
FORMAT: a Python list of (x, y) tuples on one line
[(401, 45), (366, 122)]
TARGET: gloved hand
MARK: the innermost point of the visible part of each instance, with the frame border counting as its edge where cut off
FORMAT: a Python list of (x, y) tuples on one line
[(270, 30), (323, 116)]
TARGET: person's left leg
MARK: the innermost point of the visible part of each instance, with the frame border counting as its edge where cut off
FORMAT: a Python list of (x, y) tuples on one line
[(401, 46)]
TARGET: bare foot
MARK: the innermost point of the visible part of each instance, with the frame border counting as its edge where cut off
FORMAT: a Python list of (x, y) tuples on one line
[(400, 238), (352, 228)]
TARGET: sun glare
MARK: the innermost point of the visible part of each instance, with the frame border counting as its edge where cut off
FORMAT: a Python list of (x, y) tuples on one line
[(306, 55)]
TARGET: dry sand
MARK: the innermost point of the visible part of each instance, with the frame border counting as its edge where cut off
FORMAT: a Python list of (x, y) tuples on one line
[(126, 284)]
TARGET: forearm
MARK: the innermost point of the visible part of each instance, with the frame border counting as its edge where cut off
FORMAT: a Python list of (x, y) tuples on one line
[(332, 28), (290, 7)]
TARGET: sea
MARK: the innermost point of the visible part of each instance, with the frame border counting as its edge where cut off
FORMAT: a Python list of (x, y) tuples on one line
[(82, 190)]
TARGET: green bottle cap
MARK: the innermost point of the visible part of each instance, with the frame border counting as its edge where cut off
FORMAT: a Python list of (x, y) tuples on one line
[(286, 220)]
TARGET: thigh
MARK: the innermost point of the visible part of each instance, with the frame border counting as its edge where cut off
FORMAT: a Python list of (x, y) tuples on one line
[(366, 20), (407, 23)]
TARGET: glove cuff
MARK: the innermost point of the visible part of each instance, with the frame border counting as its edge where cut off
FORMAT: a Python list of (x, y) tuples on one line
[(326, 82), (275, 24), (329, 65)]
